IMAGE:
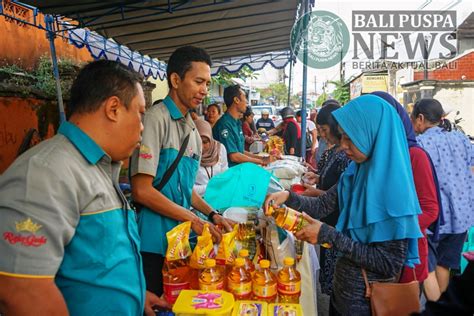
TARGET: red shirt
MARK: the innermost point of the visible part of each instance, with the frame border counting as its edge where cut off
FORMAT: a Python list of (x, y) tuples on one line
[(427, 196), (248, 133)]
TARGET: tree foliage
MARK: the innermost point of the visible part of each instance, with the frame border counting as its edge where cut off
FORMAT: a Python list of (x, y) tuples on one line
[(323, 97), (277, 91), (341, 92), (224, 78)]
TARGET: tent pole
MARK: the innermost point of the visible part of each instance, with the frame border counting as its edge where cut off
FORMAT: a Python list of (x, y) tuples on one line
[(289, 80), (48, 19), (305, 79)]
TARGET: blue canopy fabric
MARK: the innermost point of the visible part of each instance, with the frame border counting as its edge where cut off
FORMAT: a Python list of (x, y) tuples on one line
[(100, 47), (141, 33)]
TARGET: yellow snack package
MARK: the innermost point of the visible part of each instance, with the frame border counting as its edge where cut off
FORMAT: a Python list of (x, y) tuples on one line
[(203, 249), (178, 242), (225, 252)]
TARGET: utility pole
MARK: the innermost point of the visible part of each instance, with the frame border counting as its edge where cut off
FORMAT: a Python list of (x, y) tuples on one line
[(425, 59), (289, 81), (315, 86), (341, 70)]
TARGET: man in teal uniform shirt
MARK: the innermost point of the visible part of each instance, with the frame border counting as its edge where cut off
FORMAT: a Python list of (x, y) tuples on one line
[(69, 238), (228, 129), (166, 125)]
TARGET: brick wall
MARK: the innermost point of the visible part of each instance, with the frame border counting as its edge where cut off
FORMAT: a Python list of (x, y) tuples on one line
[(463, 66)]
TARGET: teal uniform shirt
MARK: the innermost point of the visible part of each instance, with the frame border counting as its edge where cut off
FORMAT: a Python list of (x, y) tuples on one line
[(165, 129), (65, 218), (228, 131)]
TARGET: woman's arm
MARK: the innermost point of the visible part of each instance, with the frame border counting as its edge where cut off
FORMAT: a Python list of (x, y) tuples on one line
[(385, 258), (316, 207)]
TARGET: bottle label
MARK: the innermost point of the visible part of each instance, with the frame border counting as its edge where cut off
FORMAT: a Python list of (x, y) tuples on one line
[(240, 288), (289, 288), (172, 290), (265, 291), (248, 308), (291, 220), (212, 287)]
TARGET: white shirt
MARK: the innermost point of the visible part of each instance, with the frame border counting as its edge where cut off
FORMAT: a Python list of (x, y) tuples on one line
[(310, 126), (204, 174)]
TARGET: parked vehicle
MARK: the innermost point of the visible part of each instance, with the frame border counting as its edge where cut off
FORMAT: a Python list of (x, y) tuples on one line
[(257, 110)]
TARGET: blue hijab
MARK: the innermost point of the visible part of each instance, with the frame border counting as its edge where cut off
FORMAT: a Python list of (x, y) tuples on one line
[(411, 138), (377, 197)]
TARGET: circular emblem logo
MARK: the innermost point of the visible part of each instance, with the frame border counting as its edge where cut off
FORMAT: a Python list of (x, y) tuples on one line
[(225, 133), (323, 35)]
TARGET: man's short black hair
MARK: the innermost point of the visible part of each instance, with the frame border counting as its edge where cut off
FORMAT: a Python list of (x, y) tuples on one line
[(230, 93), (181, 59), (100, 80)]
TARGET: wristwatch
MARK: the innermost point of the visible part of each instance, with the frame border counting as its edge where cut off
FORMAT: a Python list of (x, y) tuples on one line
[(211, 216)]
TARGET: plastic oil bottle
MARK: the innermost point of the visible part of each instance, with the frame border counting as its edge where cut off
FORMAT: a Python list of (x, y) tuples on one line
[(239, 281), (211, 277), (176, 277), (289, 219), (289, 282), (249, 266), (247, 236), (264, 283)]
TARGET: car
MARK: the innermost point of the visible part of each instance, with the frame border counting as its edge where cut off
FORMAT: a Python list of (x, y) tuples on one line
[(257, 111)]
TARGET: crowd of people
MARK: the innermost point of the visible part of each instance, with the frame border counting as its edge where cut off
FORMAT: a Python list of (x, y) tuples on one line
[(383, 200)]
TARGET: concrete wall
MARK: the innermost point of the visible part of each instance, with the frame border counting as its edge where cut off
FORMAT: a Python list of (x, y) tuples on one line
[(23, 45), (459, 99), (161, 89), (18, 115), (453, 95)]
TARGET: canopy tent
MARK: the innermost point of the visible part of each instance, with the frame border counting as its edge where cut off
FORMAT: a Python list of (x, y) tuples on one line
[(235, 33), (246, 29)]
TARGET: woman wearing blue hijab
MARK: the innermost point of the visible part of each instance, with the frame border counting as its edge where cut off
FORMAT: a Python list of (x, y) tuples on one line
[(378, 224)]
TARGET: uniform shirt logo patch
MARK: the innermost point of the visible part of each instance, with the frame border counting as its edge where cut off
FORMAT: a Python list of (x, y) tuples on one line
[(225, 133), (28, 239), (145, 152)]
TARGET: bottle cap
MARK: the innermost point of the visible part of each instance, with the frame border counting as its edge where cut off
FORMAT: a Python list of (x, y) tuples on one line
[(210, 263), (239, 262), (288, 261), (264, 264), (243, 253)]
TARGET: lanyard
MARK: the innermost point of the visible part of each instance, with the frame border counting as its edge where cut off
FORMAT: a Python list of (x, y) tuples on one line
[(212, 172)]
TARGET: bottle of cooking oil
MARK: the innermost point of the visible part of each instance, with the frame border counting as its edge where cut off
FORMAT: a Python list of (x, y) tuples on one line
[(289, 219), (289, 282), (246, 234), (176, 277), (299, 247), (239, 281), (264, 283), (211, 277), (286, 218), (249, 266)]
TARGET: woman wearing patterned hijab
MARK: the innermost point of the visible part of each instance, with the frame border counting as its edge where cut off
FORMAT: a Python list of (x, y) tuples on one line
[(213, 160)]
